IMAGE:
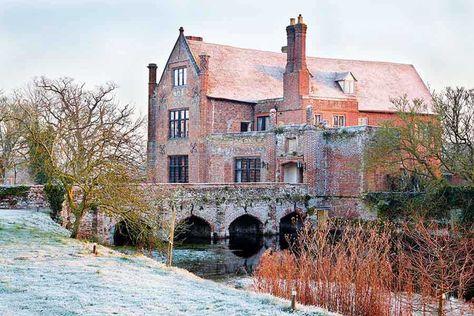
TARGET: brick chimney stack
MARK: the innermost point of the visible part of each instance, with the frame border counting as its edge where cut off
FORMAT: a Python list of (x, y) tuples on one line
[(300, 44), (296, 76), (151, 145)]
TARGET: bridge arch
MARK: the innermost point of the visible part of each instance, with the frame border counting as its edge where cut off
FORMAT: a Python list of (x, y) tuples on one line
[(194, 228), (291, 222), (123, 235), (246, 225), (289, 226)]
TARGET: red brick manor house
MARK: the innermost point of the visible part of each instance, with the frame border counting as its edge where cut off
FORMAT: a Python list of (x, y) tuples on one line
[(222, 114)]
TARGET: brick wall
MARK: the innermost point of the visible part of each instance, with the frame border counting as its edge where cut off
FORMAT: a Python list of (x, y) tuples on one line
[(227, 115), (35, 198)]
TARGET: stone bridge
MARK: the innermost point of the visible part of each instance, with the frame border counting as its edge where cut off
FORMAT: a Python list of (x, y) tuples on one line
[(217, 210), (221, 210)]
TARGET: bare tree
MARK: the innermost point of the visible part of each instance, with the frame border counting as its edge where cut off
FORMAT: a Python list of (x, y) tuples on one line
[(455, 107), (95, 148), (429, 138), (12, 146)]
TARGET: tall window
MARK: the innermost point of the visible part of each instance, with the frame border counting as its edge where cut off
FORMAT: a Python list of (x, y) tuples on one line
[(263, 123), (178, 169), (247, 169), (179, 120), (339, 120), (179, 77)]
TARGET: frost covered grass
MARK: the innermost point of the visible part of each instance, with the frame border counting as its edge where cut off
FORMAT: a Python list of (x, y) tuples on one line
[(44, 272)]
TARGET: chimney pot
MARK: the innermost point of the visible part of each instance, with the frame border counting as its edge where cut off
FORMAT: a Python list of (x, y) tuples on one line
[(292, 21), (300, 19)]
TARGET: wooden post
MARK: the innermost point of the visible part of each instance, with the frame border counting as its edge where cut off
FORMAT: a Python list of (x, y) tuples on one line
[(322, 217), (293, 299), (169, 258), (94, 249)]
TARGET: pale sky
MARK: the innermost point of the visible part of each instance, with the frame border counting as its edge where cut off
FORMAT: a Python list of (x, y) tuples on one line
[(114, 40)]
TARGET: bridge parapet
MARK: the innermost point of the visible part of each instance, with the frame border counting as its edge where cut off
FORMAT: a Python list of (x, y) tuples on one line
[(221, 204)]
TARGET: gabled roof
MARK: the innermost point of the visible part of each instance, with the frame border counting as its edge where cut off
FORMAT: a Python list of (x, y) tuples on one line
[(346, 75), (252, 75)]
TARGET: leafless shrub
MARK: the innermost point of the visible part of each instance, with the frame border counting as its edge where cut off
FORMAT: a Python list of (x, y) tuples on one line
[(370, 269)]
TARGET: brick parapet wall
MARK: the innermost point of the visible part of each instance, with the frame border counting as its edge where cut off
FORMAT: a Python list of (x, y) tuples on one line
[(34, 199)]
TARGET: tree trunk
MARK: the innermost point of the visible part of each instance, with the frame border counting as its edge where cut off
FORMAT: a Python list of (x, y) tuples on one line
[(77, 224), (73, 209), (441, 305)]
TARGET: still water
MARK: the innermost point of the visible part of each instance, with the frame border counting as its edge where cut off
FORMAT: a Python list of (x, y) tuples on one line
[(224, 259)]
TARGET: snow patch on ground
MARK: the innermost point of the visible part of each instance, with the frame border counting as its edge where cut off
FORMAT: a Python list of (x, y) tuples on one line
[(42, 271)]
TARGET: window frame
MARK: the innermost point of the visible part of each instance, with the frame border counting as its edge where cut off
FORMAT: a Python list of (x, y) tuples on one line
[(349, 86), (178, 169), (248, 126), (339, 116), (180, 76), (250, 173), (266, 123), (316, 121), (178, 126)]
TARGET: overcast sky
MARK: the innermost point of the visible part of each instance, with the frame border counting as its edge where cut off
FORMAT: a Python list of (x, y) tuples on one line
[(114, 40)]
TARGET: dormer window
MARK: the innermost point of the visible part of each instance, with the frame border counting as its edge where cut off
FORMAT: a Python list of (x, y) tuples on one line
[(179, 77), (346, 81), (347, 86)]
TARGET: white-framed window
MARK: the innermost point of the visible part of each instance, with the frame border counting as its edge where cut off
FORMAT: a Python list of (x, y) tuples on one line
[(179, 77), (179, 123), (347, 86), (318, 119), (339, 120), (263, 123), (363, 121)]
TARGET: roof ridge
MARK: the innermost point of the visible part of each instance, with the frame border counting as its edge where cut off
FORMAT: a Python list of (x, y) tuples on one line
[(312, 57)]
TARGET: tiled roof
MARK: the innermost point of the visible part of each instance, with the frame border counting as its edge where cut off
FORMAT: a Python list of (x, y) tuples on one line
[(252, 75)]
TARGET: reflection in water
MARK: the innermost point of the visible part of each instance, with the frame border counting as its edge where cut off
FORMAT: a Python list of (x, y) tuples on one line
[(225, 258), (246, 247)]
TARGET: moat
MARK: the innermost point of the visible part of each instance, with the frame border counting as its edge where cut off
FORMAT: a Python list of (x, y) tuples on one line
[(201, 253), (224, 259), (219, 260)]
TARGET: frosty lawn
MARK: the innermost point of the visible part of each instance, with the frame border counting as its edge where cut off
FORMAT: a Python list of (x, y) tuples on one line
[(42, 271)]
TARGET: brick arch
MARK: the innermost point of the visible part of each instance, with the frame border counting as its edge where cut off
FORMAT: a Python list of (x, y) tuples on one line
[(204, 214), (249, 224), (198, 228), (288, 210), (232, 216)]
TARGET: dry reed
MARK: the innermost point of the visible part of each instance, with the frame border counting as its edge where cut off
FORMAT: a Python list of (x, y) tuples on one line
[(370, 269)]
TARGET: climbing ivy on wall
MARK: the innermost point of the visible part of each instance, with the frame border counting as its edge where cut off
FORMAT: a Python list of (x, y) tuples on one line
[(16, 191), (55, 193)]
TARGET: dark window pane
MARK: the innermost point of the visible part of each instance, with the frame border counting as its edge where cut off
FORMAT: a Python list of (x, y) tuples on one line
[(262, 123), (247, 169), (178, 169), (178, 123)]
